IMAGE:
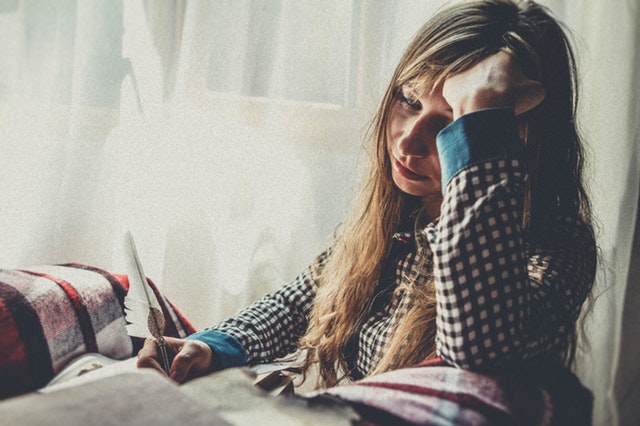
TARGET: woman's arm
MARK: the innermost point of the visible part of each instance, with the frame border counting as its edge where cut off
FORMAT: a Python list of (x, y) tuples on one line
[(501, 294), (269, 328)]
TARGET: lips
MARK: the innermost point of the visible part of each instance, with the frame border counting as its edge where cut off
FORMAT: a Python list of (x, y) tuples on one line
[(407, 173)]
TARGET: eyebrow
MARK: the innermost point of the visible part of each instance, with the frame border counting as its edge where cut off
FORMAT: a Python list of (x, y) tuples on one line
[(412, 87)]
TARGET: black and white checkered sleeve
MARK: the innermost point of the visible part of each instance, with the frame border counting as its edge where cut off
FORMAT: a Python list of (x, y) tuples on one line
[(270, 328), (502, 296)]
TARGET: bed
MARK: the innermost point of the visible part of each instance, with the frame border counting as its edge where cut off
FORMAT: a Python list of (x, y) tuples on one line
[(53, 314)]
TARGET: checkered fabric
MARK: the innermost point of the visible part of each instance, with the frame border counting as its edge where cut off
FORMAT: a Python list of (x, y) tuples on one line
[(271, 327), (502, 294)]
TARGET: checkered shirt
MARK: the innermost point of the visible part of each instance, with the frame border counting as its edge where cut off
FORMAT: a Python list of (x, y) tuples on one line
[(501, 294)]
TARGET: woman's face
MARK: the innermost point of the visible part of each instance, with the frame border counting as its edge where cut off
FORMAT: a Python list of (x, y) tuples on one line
[(414, 122)]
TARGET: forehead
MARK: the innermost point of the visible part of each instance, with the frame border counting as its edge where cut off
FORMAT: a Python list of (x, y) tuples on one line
[(420, 87), (422, 82), (414, 89)]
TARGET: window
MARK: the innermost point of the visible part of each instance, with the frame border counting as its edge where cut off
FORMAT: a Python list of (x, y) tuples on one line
[(300, 50)]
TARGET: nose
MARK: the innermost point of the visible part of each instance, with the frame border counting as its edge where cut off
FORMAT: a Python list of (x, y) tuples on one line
[(418, 137)]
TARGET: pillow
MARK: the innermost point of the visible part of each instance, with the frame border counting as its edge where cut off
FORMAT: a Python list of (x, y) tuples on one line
[(532, 392), (54, 313)]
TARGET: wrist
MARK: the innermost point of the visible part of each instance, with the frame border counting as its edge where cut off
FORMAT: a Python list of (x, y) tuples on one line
[(477, 137), (226, 350)]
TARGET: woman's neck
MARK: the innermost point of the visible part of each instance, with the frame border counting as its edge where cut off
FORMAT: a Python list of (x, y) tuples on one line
[(426, 211)]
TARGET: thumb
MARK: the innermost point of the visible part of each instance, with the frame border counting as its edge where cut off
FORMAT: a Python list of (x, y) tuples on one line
[(528, 96), (182, 365)]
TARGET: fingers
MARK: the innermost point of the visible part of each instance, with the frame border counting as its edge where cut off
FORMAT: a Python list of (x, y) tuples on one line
[(192, 358), (529, 96), (496, 81), (527, 93), (148, 356)]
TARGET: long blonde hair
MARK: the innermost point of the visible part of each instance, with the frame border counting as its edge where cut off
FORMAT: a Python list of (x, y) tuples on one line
[(453, 40)]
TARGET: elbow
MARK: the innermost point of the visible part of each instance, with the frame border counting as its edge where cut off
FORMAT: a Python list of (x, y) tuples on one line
[(474, 354)]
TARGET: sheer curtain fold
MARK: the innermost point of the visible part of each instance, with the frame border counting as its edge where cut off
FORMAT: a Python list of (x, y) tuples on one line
[(226, 135), (165, 21), (61, 84), (606, 38)]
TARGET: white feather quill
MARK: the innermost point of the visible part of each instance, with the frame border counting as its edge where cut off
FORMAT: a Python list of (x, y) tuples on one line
[(142, 310)]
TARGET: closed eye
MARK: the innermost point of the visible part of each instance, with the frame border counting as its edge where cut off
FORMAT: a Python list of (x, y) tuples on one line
[(407, 100)]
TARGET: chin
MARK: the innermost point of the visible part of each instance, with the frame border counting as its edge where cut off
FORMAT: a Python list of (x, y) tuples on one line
[(422, 191)]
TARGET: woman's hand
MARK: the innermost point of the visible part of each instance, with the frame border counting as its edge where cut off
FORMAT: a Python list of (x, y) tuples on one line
[(192, 358), (496, 81)]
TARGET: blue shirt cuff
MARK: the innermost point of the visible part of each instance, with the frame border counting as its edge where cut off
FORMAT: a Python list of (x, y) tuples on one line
[(227, 350), (479, 136)]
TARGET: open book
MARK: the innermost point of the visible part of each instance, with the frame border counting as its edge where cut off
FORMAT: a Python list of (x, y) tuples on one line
[(96, 390), (276, 378)]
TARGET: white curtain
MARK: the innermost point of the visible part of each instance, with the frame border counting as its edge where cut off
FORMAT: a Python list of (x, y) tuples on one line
[(227, 136)]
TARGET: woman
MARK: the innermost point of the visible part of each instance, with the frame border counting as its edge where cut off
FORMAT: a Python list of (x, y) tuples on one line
[(471, 240)]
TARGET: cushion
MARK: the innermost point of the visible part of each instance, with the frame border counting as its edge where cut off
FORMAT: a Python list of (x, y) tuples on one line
[(534, 392), (51, 314)]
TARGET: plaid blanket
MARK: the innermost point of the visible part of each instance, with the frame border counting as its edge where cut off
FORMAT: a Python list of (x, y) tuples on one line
[(434, 393), (51, 314)]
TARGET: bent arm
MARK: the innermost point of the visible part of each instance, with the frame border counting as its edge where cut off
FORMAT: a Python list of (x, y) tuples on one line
[(502, 295), (269, 328)]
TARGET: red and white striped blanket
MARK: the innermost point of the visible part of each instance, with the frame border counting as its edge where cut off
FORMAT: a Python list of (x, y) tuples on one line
[(51, 314)]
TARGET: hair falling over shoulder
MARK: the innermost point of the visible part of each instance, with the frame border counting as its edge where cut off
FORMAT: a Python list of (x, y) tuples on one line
[(453, 40)]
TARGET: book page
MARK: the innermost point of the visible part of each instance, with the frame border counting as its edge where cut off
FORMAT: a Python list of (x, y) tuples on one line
[(87, 368), (141, 398)]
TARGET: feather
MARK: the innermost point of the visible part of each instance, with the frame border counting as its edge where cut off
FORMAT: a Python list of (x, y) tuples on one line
[(142, 310)]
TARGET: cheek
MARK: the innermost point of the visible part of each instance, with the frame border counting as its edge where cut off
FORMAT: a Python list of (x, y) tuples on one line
[(435, 158), (392, 138), (392, 134), (435, 165), (395, 125), (437, 171)]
